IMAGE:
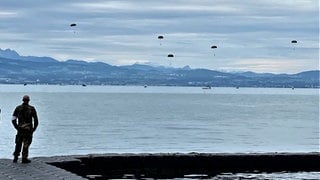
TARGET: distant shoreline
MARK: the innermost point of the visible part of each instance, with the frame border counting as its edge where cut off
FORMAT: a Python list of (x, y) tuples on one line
[(41, 70), (139, 85)]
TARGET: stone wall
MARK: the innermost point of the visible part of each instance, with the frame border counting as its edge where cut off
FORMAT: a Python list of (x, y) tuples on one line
[(176, 165)]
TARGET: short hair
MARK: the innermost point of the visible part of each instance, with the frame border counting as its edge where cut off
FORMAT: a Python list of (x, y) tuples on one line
[(26, 98)]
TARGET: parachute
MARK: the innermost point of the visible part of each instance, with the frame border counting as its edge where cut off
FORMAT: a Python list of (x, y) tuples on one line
[(72, 26), (160, 38), (294, 42), (170, 56), (214, 47)]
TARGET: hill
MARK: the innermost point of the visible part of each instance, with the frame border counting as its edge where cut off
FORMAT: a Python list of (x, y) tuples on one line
[(16, 69)]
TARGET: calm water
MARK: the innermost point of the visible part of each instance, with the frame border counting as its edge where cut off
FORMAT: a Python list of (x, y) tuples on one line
[(102, 119), (106, 119)]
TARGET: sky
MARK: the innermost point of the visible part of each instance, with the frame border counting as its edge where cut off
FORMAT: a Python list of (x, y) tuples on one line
[(250, 35)]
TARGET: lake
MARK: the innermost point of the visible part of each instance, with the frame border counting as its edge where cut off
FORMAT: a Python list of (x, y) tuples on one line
[(120, 119)]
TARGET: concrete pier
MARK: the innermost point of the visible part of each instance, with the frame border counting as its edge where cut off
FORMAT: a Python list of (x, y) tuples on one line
[(38, 169), (159, 165), (178, 165)]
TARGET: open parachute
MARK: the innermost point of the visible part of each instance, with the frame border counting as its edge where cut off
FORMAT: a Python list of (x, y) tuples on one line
[(294, 42), (214, 47), (160, 37), (170, 58), (170, 55), (73, 25)]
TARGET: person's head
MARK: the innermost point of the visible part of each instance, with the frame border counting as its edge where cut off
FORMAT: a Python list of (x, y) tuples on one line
[(26, 99)]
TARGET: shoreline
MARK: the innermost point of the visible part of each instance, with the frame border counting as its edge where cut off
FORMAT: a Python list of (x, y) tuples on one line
[(163, 165)]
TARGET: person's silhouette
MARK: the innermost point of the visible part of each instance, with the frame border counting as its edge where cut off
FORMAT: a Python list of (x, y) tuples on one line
[(26, 125)]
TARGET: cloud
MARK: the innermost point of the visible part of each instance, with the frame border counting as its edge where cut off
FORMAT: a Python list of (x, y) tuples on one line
[(7, 14), (269, 65), (125, 31)]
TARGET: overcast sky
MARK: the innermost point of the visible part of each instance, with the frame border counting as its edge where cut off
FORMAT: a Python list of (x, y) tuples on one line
[(251, 35)]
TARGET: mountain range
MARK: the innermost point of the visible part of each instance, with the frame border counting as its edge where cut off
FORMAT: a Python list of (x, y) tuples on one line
[(17, 69)]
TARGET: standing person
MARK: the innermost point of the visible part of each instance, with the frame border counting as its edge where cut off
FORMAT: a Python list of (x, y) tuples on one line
[(26, 125)]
